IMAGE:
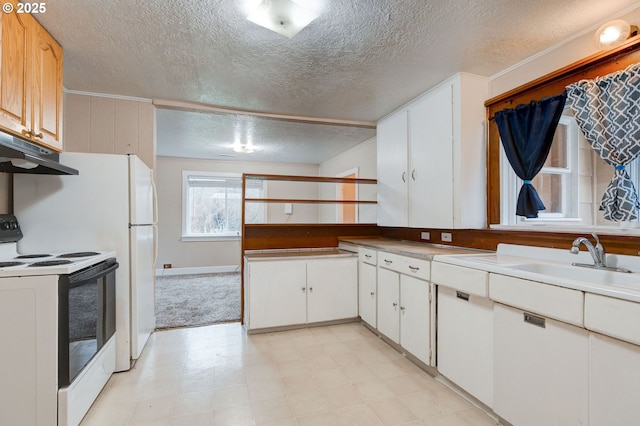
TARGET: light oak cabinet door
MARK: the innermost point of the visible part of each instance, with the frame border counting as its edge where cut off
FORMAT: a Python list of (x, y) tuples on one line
[(47, 89), (15, 84), (31, 81), (277, 293)]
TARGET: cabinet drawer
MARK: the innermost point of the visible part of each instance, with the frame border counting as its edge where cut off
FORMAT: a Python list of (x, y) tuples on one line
[(555, 302), (367, 255), (418, 268), (467, 280), (613, 317)]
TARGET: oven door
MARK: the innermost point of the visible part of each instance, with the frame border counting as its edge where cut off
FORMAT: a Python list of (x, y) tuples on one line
[(86, 316)]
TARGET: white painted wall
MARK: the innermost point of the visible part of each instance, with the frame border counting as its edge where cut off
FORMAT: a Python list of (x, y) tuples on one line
[(558, 56), (362, 157), (190, 254)]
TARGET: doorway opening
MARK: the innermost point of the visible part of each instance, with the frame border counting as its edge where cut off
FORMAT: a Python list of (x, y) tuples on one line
[(347, 212)]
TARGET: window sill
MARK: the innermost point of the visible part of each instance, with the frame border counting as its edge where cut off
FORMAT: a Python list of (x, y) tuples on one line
[(548, 226), (218, 238)]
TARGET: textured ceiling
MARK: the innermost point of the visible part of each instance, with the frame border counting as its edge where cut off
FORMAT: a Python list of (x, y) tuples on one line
[(358, 61)]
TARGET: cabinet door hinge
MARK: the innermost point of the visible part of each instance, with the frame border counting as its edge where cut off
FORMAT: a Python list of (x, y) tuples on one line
[(430, 295), (430, 355)]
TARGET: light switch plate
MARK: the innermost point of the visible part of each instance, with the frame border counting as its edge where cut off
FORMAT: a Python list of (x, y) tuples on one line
[(288, 208), (445, 237), (425, 235)]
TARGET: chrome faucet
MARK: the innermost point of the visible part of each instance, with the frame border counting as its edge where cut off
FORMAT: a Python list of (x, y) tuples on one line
[(597, 252)]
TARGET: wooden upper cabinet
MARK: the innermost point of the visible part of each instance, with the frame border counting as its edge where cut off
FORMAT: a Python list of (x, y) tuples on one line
[(15, 108), (30, 81), (47, 89)]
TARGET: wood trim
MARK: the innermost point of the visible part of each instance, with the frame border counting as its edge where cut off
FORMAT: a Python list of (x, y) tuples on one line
[(488, 239), (301, 200), (277, 236), (201, 107), (549, 85), (294, 178)]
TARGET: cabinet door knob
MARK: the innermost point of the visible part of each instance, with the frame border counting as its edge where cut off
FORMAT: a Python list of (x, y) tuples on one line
[(310, 289), (304, 289), (372, 293), (27, 133), (413, 174), (402, 308), (404, 176), (38, 135), (395, 304)]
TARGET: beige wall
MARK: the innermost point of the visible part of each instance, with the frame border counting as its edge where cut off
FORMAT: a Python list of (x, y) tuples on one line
[(109, 125), (190, 254), (362, 157)]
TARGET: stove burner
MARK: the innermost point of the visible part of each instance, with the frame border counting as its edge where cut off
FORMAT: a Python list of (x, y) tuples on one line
[(79, 254), (32, 256), (51, 262), (8, 264)]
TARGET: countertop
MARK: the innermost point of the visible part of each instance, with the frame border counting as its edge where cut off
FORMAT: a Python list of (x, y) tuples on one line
[(297, 254), (407, 248), (507, 259)]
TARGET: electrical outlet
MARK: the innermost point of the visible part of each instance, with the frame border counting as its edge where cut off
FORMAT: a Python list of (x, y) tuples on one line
[(288, 208), (166, 266), (445, 237), (425, 235)]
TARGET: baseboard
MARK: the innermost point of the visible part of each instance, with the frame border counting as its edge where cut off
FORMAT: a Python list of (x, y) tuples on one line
[(197, 270)]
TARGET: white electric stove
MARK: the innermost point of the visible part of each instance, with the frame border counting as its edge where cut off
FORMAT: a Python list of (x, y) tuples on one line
[(58, 328)]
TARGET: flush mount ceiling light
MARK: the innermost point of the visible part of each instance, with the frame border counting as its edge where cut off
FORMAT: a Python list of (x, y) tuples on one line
[(285, 17), (613, 34), (245, 148)]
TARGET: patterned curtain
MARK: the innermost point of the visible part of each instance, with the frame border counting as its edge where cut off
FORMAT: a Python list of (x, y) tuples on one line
[(607, 110), (526, 132)]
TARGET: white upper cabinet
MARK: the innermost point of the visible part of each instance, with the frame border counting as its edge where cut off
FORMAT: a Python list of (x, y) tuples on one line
[(431, 158), (392, 170)]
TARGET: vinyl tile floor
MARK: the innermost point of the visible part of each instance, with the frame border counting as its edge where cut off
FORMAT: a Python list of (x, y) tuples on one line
[(334, 375)]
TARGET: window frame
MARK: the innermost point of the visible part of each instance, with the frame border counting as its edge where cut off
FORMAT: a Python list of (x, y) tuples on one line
[(510, 184), (222, 236), (598, 64)]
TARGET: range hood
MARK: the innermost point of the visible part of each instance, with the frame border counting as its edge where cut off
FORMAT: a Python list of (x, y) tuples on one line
[(19, 156)]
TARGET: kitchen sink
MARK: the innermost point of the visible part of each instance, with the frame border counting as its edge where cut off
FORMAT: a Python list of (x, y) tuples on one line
[(578, 273)]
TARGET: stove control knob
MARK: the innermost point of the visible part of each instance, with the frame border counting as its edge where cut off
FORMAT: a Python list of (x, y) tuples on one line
[(14, 224), (5, 226)]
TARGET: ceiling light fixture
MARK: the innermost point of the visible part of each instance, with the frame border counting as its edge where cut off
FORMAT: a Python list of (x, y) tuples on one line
[(286, 17), (613, 34), (244, 148)]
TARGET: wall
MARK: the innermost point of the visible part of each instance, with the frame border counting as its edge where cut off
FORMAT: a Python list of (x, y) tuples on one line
[(110, 125), (363, 157), (556, 57), (194, 254)]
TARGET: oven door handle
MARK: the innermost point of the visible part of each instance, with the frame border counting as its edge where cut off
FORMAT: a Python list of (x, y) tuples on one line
[(92, 273)]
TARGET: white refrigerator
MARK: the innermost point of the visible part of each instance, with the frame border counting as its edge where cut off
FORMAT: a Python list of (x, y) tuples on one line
[(108, 206)]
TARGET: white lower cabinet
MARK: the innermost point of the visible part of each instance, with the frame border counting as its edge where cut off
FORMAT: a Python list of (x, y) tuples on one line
[(540, 369), (291, 292), (404, 312), (332, 289), (465, 341), (614, 381), (367, 293), (277, 293)]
